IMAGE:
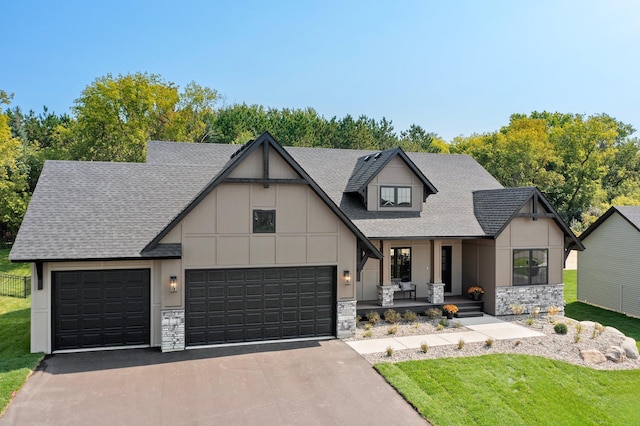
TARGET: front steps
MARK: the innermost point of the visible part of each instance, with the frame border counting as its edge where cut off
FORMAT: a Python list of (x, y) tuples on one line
[(470, 310)]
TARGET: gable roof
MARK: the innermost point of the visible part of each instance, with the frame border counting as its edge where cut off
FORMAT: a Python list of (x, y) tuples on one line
[(629, 213), (495, 209), (367, 167), (266, 141), (94, 210)]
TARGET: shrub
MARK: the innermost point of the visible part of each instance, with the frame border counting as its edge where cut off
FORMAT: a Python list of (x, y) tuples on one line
[(424, 347), (409, 316), (393, 329), (530, 321), (433, 313), (416, 325), (358, 318), (368, 326), (367, 333), (457, 324), (599, 327), (460, 344), (517, 309), (443, 322), (489, 342), (389, 351), (535, 312), (578, 328), (553, 310), (373, 317), (440, 327), (391, 316), (560, 328), (576, 337)]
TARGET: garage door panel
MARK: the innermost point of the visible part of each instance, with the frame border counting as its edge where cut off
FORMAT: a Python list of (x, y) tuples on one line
[(244, 305), (93, 309)]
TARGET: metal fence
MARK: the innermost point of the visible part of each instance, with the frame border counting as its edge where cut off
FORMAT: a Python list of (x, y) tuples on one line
[(15, 285)]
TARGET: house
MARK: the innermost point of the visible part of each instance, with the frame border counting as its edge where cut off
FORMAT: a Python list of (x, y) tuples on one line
[(208, 244), (609, 267)]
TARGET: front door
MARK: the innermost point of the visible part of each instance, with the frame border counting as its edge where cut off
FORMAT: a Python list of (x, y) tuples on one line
[(446, 268)]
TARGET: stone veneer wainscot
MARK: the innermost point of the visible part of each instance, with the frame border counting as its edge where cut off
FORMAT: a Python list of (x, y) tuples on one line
[(346, 318), (173, 337), (530, 296)]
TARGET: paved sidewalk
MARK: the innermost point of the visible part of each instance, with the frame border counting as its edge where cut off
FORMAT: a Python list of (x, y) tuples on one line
[(481, 328)]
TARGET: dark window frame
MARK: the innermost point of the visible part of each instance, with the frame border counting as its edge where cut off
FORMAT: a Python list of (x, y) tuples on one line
[(400, 271), (536, 273), (264, 221), (394, 202)]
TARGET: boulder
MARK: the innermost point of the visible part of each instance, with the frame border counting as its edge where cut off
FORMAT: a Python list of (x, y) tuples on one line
[(592, 356), (615, 354), (630, 348), (613, 331)]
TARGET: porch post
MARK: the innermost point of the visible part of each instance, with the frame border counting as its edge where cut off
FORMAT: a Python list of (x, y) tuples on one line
[(435, 289), (436, 250)]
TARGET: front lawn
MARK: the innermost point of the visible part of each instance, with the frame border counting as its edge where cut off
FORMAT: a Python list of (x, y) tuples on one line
[(515, 390), (23, 269), (583, 312), (16, 363)]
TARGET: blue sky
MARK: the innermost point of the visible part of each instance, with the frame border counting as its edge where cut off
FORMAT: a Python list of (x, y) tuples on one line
[(454, 68)]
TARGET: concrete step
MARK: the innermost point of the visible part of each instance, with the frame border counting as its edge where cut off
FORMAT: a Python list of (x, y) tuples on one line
[(468, 314)]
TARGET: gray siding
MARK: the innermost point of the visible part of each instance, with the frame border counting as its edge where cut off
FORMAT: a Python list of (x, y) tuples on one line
[(609, 267)]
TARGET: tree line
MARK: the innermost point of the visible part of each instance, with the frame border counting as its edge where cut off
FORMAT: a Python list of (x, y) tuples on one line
[(582, 163)]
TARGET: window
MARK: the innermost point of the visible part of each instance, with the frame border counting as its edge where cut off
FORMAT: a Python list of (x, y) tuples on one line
[(395, 196), (264, 221), (401, 263), (530, 267)]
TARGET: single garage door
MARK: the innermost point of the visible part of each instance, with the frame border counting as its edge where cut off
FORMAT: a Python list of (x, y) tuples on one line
[(99, 309), (246, 305)]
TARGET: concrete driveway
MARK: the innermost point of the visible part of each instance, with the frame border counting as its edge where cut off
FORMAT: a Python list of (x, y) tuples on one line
[(320, 382)]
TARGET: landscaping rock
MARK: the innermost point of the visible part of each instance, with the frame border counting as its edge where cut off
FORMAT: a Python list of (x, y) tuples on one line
[(613, 330), (587, 324), (592, 356), (615, 354), (630, 348)]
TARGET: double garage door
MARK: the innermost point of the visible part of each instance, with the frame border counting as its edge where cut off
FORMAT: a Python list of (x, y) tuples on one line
[(100, 309), (246, 305)]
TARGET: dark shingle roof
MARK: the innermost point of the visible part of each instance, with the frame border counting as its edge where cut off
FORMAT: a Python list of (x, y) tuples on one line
[(494, 209), (93, 210)]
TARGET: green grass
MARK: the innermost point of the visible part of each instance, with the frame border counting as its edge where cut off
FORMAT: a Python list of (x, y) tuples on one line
[(16, 363), (583, 312), (515, 390), (23, 269)]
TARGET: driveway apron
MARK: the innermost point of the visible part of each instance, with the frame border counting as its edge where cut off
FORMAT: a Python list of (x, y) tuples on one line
[(306, 383)]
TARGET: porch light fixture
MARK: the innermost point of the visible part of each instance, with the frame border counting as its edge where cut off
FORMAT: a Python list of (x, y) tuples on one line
[(173, 284), (347, 277)]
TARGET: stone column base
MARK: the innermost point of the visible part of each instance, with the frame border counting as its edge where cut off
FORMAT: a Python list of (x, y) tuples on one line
[(385, 295), (435, 292), (173, 336), (346, 319)]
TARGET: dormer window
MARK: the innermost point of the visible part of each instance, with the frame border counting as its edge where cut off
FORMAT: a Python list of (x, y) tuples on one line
[(395, 196)]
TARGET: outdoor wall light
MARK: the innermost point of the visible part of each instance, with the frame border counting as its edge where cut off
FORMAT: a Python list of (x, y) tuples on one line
[(173, 284), (347, 277)]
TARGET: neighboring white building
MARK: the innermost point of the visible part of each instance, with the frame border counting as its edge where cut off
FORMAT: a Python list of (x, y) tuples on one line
[(609, 267)]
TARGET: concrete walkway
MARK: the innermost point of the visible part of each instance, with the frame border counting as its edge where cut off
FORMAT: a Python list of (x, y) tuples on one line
[(481, 328)]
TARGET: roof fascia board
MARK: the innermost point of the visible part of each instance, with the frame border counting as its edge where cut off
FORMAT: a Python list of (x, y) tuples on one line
[(602, 218)]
